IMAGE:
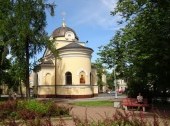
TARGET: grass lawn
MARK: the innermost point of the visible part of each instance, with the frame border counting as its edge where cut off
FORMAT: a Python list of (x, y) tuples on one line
[(93, 103)]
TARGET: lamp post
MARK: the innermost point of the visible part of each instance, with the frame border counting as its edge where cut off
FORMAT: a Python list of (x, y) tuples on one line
[(115, 81)]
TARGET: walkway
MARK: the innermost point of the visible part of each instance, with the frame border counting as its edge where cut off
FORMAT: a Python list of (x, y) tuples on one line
[(94, 113), (98, 114)]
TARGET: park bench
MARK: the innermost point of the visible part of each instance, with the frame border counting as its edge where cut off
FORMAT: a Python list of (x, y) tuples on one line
[(132, 102)]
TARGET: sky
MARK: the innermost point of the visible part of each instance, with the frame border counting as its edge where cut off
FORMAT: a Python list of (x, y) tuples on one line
[(90, 19)]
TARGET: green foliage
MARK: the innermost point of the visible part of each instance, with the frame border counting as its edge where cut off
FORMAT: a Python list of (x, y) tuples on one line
[(35, 106), (23, 30), (61, 111), (141, 49), (119, 118), (110, 80), (100, 71), (94, 103), (31, 109), (4, 67)]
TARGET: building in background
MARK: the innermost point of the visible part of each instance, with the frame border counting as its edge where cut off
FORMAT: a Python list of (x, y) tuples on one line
[(122, 85)]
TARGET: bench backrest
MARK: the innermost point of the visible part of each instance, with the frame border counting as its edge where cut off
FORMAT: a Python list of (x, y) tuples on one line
[(133, 100)]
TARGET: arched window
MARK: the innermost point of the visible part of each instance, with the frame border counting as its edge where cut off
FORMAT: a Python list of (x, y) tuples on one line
[(37, 82), (68, 77), (91, 79), (82, 78), (48, 79)]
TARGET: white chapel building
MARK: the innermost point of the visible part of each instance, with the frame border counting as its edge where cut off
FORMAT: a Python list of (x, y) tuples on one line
[(70, 75)]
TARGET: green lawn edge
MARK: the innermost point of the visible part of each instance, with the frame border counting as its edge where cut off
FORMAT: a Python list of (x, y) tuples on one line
[(93, 103)]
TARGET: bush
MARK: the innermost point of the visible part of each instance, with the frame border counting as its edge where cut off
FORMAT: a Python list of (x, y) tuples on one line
[(27, 114), (31, 109), (124, 118), (55, 110), (6, 108), (35, 106)]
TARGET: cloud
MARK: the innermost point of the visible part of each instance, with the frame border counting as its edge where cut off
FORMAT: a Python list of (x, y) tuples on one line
[(110, 4), (98, 13)]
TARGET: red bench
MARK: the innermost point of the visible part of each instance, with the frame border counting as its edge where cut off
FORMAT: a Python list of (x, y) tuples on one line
[(132, 102)]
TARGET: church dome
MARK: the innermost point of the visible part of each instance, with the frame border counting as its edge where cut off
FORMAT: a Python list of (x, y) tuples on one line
[(61, 31)]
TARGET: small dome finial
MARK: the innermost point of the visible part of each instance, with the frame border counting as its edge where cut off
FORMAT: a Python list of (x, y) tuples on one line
[(63, 22)]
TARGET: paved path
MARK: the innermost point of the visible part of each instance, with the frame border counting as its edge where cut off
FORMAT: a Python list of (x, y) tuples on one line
[(95, 113), (98, 114), (92, 113)]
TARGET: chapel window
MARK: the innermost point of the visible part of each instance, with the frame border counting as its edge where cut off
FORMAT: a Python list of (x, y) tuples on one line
[(48, 79), (82, 78), (68, 77), (91, 79)]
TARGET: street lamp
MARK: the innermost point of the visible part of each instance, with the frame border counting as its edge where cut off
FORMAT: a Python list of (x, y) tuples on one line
[(115, 82)]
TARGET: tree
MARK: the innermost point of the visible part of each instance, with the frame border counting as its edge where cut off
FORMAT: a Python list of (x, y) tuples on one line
[(4, 67), (110, 80), (100, 71), (114, 54), (26, 36), (145, 43), (4, 21)]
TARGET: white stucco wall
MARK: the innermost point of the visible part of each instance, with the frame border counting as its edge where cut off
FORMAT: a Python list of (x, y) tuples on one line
[(42, 73), (74, 62), (68, 90)]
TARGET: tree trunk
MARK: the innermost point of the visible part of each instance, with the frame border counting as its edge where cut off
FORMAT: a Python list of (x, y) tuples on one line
[(27, 69), (55, 76), (20, 86)]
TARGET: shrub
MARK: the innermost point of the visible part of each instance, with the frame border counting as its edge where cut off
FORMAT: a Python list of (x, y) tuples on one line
[(35, 106), (26, 114), (6, 108), (56, 110), (31, 109), (123, 118)]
